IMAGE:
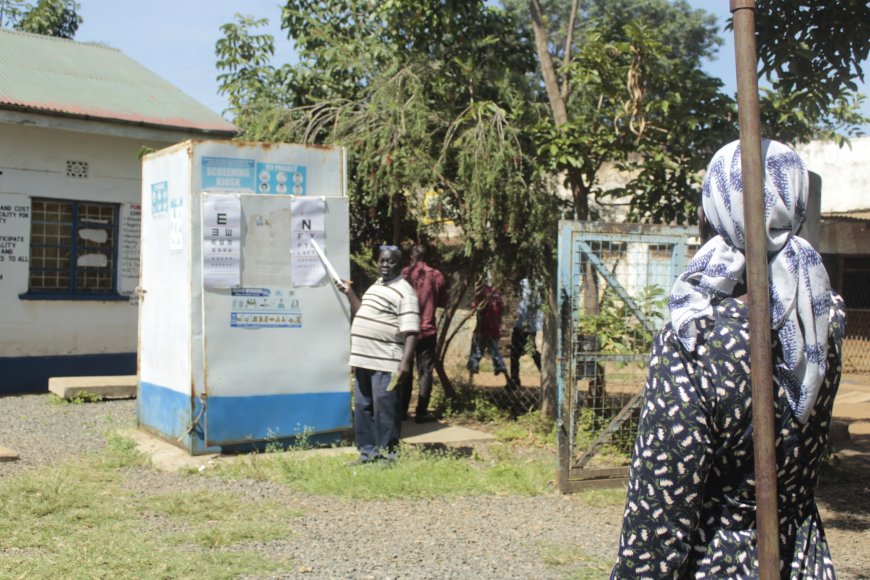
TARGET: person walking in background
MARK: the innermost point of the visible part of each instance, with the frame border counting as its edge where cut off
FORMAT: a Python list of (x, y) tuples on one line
[(489, 307), (529, 322), (690, 510), (431, 291), (383, 336)]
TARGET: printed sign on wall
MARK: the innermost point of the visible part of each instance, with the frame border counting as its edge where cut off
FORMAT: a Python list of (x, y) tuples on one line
[(14, 241), (128, 258), (176, 224), (265, 308), (307, 222), (159, 198), (228, 174), (281, 178), (221, 244)]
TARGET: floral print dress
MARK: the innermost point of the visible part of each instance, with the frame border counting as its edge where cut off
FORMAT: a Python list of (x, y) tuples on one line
[(690, 510)]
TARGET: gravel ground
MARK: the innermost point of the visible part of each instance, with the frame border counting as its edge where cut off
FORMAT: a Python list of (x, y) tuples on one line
[(466, 537)]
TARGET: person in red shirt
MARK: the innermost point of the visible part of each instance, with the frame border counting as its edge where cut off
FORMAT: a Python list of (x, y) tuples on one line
[(490, 308), (431, 289)]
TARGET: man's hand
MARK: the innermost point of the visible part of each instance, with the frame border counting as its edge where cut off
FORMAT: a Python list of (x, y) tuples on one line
[(408, 354), (346, 288)]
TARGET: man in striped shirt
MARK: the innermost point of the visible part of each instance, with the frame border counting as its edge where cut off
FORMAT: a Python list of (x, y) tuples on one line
[(383, 333)]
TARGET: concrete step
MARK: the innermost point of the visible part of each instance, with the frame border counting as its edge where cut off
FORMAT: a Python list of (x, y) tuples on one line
[(108, 387), (7, 454)]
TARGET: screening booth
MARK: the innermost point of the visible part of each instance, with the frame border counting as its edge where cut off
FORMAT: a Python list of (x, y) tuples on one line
[(243, 339)]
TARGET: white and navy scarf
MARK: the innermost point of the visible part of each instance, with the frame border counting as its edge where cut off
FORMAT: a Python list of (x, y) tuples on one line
[(800, 292)]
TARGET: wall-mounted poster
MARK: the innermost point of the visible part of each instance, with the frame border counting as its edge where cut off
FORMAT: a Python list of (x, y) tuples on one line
[(307, 219), (221, 244)]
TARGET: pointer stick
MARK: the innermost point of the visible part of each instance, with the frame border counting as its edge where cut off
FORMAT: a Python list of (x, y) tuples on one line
[(327, 264)]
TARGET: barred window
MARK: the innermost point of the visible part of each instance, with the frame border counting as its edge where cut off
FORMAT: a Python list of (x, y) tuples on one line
[(73, 247)]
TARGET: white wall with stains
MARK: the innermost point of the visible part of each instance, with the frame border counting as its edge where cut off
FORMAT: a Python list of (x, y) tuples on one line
[(845, 173), (39, 161)]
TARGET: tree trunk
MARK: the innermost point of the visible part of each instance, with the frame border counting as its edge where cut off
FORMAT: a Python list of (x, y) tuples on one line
[(548, 70), (398, 209), (445, 337), (549, 378), (557, 96)]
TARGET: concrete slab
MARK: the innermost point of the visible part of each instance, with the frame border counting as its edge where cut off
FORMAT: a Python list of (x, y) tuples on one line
[(167, 457), (7, 454), (441, 432), (108, 387)]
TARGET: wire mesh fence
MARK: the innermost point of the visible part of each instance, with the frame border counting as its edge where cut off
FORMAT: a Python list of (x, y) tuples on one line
[(513, 384), (856, 343), (614, 281)]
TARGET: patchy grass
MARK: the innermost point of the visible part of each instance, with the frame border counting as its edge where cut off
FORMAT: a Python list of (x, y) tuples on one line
[(416, 474), (76, 520), (575, 563), (215, 520), (603, 498), (530, 429)]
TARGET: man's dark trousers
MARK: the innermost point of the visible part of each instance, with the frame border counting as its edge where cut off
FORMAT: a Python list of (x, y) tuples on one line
[(425, 359), (377, 415), (519, 340)]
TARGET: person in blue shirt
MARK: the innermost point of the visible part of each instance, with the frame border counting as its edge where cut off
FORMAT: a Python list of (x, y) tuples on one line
[(529, 322)]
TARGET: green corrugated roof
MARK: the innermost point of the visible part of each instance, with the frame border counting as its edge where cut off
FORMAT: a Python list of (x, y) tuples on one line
[(43, 73)]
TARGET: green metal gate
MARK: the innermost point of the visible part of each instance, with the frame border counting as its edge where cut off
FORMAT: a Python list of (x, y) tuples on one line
[(613, 285)]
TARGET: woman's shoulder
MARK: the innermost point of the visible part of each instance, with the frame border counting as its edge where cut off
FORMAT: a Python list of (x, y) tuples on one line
[(727, 322)]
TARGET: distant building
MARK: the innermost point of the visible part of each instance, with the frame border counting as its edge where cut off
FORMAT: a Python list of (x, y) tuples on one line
[(844, 236), (73, 119)]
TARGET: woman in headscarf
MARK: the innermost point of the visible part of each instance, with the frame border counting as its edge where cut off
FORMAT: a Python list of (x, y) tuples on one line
[(690, 510)]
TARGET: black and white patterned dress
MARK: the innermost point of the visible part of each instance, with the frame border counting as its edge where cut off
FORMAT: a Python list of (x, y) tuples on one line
[(690, 510)]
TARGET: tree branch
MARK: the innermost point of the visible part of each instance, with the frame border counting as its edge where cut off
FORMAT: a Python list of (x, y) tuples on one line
[(551, 81), (569, 41)]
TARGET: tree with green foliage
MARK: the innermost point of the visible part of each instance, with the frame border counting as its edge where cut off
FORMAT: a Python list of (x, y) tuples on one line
[(48, 17), (625, 90), (432, 100), (249, 81), (625, 86), (443, 100), (810, 53), (624, 83)]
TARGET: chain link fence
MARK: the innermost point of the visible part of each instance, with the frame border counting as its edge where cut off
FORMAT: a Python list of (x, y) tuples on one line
[(614, 281), (856, 343), (852, 278), (515, 393)]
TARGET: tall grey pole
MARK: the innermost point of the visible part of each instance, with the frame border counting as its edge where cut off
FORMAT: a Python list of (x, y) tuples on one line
[(761, 367)]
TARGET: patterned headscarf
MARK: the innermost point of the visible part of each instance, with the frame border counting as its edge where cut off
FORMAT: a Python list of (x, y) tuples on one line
[(800, 292)]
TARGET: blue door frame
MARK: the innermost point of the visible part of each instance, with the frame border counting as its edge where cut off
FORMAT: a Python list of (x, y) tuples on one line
[(627, 261)]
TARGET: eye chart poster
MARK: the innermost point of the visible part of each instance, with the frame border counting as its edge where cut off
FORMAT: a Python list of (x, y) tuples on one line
[(221, 244), (307, 221)]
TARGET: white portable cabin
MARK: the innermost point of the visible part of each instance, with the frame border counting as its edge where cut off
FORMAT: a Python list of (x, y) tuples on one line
[(243, 339)]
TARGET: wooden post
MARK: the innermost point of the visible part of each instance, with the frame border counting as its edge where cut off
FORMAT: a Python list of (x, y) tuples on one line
[(743, 15)]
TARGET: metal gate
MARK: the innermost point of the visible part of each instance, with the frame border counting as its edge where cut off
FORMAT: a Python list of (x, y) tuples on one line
[(613, 285)]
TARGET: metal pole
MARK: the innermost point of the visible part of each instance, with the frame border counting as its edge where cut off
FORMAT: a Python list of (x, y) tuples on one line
[(761, 368)]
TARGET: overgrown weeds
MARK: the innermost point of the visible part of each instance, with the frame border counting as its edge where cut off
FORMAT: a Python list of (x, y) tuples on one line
[(80, 398)]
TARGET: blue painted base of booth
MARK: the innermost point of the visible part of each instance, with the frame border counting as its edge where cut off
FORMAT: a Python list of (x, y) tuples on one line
[(30, 374), (240, 423)]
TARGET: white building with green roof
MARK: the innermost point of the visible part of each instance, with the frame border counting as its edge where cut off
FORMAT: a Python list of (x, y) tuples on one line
[(73, 120)]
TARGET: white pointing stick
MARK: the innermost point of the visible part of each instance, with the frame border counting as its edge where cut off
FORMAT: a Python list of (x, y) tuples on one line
[(327, 264)]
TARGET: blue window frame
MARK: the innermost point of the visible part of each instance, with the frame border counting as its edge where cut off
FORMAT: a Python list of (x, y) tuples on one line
[(73, 249)]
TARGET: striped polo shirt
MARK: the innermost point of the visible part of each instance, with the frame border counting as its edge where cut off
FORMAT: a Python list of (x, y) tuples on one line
[(387, 311)]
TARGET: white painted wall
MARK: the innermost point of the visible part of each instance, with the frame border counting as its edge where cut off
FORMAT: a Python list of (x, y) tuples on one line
[(845, 173), (33, 164)]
